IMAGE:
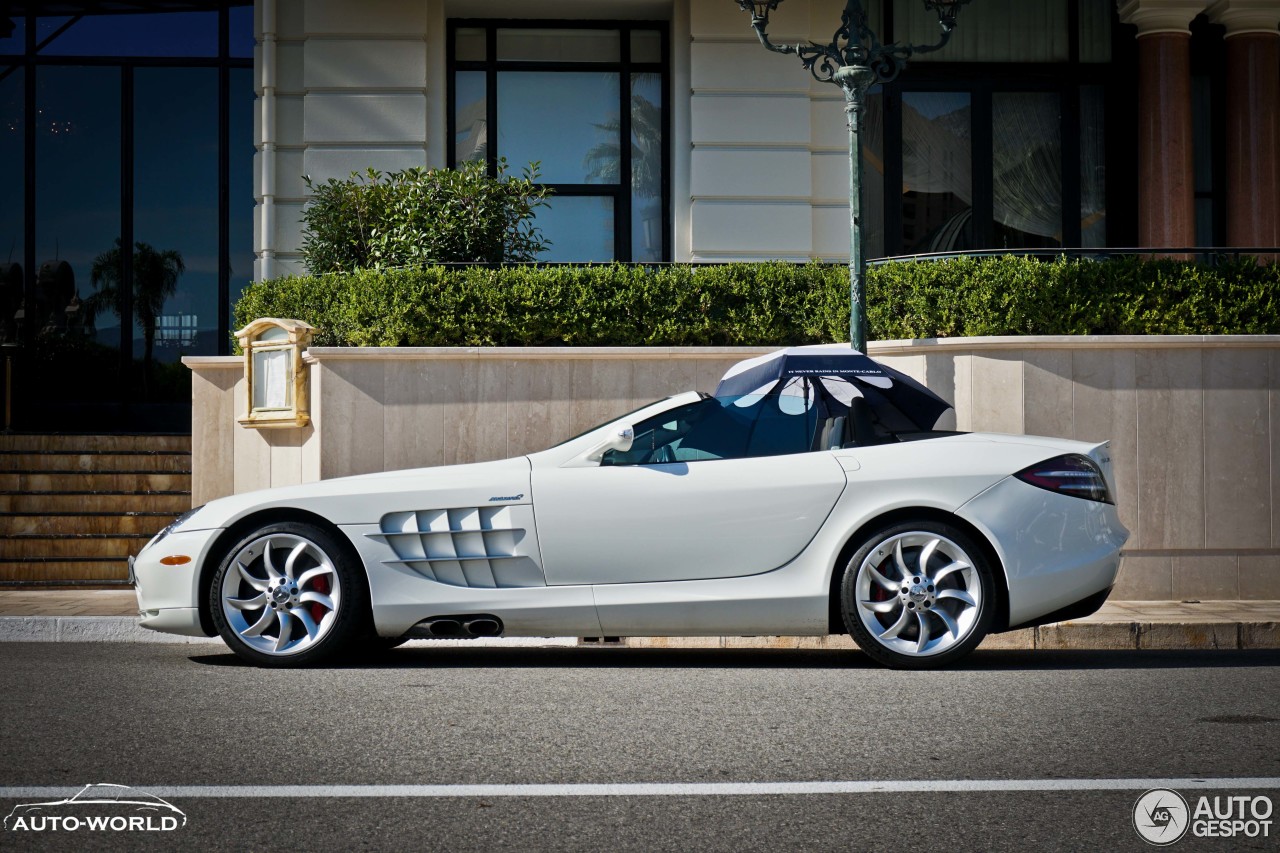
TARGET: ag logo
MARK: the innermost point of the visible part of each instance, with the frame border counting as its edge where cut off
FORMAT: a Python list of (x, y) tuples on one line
[(1161, 816)]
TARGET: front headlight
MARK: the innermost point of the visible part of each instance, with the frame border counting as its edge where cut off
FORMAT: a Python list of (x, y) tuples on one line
[(173, 525)]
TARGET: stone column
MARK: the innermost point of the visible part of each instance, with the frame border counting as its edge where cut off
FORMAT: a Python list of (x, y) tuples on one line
[(1252, 120), (1166, 165)]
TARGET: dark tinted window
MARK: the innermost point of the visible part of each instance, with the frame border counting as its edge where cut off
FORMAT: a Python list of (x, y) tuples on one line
[(147, 34), (722, 428)]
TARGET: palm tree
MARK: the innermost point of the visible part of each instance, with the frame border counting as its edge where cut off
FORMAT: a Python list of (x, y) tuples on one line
[(155, 281), (604, 160)]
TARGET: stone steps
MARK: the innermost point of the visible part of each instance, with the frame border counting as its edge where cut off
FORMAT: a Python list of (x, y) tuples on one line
[(62, 443), (37, 546), (174, 502), (75, 461), (73, 508), (106, 571), (19, 524), (94, 481)]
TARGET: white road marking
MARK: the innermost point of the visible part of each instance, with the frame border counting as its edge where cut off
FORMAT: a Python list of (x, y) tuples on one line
[(669, 789)]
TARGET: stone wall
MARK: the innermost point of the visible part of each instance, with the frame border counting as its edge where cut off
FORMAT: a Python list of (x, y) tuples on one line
[(1194, 424)]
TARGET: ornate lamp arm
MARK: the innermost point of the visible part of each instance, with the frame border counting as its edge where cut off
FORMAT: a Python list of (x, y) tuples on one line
[(854, 43), (822, 62)]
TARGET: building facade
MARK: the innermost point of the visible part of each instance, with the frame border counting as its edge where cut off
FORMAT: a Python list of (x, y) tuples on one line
[(185, 130)]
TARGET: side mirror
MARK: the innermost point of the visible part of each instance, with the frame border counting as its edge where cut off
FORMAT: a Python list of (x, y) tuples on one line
[(621, 441)]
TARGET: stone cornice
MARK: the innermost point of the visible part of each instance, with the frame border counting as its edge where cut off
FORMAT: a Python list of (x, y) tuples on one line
[(1246, 16), (1160, 16)]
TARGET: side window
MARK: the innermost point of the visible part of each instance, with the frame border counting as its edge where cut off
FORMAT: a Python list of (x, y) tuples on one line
[(732, 428), (698, 431), (783, 424)]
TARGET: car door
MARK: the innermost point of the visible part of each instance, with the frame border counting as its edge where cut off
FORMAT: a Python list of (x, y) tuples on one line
[(720, 499)]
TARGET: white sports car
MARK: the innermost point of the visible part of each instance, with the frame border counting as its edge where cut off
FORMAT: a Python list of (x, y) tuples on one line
[(809, 496)]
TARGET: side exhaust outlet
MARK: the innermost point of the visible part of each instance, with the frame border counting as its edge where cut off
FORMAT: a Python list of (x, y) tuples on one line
[(457, 627), (446, 628), (484, 627)]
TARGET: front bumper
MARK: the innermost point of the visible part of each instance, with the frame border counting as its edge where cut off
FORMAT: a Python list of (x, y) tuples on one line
[(174, 620), (169, 596)]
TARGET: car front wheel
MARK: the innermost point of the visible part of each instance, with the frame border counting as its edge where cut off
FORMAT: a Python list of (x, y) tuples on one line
[(288, 595), (918, 595)]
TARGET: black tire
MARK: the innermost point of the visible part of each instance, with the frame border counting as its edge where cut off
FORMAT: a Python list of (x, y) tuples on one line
[(317, 567), (923, 607)]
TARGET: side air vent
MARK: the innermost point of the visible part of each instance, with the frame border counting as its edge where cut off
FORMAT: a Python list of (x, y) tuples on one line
[(486, 546)]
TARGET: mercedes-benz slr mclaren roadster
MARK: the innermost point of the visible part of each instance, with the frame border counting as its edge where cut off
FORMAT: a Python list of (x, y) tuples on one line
[(810, 495)]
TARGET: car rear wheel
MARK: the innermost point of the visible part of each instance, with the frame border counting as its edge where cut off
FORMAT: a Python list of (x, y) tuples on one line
[(288, 595), (918, 595)]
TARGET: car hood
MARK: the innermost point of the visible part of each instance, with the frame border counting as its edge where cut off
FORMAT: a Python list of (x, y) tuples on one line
[(349, 500)]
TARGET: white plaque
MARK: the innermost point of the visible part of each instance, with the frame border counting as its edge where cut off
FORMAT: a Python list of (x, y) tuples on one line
[(271, 386)]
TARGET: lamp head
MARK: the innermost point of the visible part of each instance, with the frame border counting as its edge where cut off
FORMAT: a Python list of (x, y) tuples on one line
[(947, 11), (759, 9)]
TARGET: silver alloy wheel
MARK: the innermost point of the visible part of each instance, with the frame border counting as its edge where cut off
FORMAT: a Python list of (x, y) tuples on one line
[(281, 594), (918, 593)]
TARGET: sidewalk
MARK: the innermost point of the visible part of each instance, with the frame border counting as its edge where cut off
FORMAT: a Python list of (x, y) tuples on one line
[(110, 616)]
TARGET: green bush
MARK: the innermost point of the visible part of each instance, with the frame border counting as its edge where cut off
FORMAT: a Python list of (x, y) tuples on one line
[(421, 216), (563, 305), (769, 303), (1022, 296)]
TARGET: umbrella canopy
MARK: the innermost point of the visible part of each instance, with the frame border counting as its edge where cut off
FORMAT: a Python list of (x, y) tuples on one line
[(836, 374)]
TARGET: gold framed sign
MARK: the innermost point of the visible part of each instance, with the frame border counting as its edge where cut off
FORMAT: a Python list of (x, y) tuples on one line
[(277, 384)]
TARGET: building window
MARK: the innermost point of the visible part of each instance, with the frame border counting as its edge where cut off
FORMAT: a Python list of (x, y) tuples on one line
[(1000, 141), (937, 177), (125, 203), (566, 95), (1026, 157)]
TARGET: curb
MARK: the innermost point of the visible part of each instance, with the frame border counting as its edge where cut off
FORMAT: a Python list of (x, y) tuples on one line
[(84, 629), (125, 629), (1063, 636)]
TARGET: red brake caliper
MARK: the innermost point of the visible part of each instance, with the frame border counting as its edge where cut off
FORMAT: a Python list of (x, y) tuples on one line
[(320, 585), (879, 593)]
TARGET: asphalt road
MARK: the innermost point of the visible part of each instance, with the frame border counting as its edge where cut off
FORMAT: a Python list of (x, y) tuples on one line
[(158, 716)]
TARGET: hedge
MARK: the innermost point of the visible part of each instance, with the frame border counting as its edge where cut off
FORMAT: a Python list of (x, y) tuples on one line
[(770, 303)]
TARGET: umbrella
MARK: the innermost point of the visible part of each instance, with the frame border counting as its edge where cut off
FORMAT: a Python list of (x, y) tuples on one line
[(837, 374)]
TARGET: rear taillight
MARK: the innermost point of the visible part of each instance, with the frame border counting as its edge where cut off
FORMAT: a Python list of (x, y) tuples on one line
[(1071, 474)]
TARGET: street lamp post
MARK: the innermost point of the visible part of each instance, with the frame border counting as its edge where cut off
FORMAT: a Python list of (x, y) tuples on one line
[(855, 61)]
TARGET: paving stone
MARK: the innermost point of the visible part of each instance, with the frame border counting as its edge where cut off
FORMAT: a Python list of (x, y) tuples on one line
[(1191, 635), (769, 642), (116, 629), (1087, 635), (28, 629), (673, 642), (1260, 635), (1023, 638)]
